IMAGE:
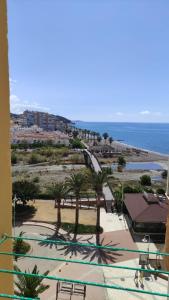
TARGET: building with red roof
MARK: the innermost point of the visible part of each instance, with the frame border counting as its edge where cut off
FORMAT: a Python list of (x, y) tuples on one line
[(147, 212)]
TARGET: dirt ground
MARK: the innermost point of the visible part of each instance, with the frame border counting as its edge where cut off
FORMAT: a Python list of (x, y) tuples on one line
[(47, 174), (47, 213)]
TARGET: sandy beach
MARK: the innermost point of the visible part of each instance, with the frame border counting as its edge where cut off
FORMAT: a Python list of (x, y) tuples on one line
[(134, 154)]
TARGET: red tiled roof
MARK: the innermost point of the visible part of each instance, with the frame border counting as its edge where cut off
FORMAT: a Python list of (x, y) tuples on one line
[(145, 211)]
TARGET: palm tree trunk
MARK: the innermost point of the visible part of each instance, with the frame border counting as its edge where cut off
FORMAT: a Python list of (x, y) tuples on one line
[(98, 214), (76, 215), (98, 221), (58, 217)]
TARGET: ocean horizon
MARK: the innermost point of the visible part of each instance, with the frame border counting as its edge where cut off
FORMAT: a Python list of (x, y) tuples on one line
[(150, 136)]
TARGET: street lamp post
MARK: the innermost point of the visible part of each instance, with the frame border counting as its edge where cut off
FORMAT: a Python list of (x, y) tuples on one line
[(14, 219), (146, 239)]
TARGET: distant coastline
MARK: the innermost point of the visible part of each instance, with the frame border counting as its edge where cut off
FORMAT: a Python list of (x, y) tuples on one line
[(149, 137)]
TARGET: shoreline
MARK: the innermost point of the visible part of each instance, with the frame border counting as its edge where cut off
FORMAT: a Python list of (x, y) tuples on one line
[(121, 143), (140, 149)]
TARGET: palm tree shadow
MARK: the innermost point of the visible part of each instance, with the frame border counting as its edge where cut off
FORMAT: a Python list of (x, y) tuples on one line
[(101, 255), (54, 237), (74, 249)]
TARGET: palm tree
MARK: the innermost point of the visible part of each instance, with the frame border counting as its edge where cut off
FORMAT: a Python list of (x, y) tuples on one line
[(118, 196), (75, 134), (97, 180), (85, 132), (105, 135), (110, 140), (30, 286), (76, 183), (58, 191), (121, 163), (88, 132), (94, 135), (99, 138)]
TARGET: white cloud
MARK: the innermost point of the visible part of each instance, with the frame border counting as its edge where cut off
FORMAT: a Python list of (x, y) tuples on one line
[(119, 113), (12, 81), (18, 106), (145, 112)]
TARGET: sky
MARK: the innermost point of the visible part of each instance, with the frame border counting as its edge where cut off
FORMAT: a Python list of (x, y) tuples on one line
[(90, 60)]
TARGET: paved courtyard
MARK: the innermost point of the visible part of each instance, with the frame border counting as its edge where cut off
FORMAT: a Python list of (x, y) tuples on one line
[(116, 230), (117, 234)]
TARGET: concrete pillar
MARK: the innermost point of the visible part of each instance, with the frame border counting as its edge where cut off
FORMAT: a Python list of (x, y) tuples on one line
[(6, 281), (166, 247)]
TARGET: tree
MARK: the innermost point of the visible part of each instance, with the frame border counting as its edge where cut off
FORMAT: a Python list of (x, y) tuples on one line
[(94, 134), (105, 136), (25, 190), (118, 196), (110, 140), (89, 133), (30, 286), (76, 183), (97, 181), (121, 161), (160, 191), (58, 191), (145, 180), (85, 132), (164, 174), (99, 138), (14, 158), (75, 134), (76, 144)]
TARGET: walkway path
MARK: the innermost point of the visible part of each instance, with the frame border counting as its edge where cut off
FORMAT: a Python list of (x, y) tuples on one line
[(116, 232), (106, 189)]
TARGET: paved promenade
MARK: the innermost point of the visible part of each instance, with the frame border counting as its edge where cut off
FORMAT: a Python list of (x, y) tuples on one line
[(116, 232), (106, 190)]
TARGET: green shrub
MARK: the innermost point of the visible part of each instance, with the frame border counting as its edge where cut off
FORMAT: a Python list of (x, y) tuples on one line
[(35, 159), (148, 190), (76, 144), (25, 190), (121, 161), (14, 158), (145, 180), (35, 179), (82, 229), (164, 174), (20, 246), (132, 189), (160, 191), (107, 170)]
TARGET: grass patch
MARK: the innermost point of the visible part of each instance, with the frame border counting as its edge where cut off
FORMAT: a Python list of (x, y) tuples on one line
[(82, 229)]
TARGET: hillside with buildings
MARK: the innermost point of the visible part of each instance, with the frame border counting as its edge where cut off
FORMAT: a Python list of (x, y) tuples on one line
[(43, 120)]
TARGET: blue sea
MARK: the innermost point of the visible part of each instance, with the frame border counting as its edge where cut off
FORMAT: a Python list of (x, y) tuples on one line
[(150, 136)]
